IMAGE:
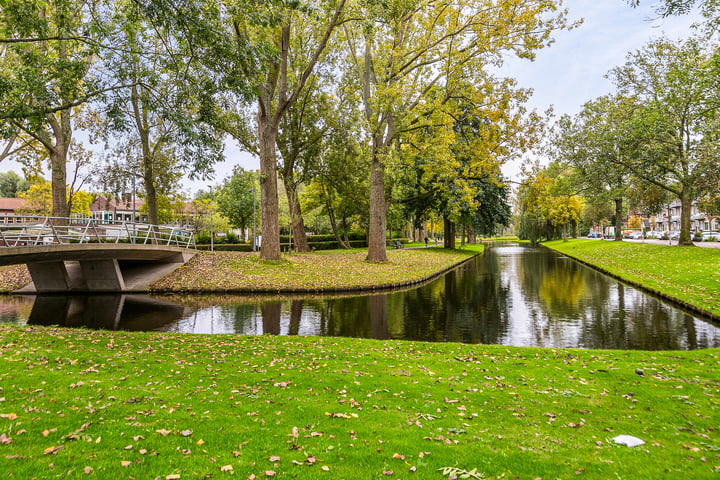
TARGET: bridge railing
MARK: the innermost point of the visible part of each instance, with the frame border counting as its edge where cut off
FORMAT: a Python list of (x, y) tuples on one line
[(21, 231)]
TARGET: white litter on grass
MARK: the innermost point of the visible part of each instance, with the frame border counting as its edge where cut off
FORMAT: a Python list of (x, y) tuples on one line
[(628, 440)]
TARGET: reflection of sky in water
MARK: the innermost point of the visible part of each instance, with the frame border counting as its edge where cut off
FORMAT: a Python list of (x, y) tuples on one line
[(512, 295)]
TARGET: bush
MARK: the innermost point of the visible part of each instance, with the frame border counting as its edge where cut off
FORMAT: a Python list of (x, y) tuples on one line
[(202, 238), (353, 236), (230, 237), (697, 237), (224, 247)]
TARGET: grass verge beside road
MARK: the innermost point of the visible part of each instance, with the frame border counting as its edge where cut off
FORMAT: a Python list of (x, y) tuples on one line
[(89, 404), (320, 271), (689, 275)]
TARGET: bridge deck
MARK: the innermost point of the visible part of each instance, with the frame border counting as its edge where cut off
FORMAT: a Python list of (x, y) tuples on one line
[(93, 251), (95, 267)]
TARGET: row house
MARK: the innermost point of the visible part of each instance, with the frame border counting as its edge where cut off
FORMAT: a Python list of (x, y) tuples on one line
[(117, 210), (669, 219), (9, 208)]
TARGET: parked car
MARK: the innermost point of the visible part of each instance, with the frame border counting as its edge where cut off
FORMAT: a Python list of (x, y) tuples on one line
[(653, 234), (710, 236), (674, 235), (594, 235), (635, 236)]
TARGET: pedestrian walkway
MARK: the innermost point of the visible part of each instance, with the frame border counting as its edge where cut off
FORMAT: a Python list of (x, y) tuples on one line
[(673, 242)]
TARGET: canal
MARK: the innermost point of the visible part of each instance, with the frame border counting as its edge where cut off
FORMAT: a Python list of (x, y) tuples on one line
[(513, 294)]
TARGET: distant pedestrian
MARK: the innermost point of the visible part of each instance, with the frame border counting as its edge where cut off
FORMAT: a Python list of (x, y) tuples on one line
[(426, 240)]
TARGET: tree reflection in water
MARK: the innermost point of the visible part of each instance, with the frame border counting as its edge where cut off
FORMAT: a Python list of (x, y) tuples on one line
[(510, 295)]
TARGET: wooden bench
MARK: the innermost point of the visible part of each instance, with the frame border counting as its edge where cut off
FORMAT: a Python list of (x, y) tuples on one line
[(396, 244)]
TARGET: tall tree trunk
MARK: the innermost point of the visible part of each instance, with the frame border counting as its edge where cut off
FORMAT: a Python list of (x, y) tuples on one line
[(471, 235), (346, 236), (150, 191), (140, 112), (58, 164), (376, 241), (269, 223), (333, 225), (297, 225), (449, 227), (58, 152), (618, 219), (685, 211)]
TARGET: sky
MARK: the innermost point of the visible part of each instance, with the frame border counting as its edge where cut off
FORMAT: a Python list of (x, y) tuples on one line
[(565, 76), (572, 71)]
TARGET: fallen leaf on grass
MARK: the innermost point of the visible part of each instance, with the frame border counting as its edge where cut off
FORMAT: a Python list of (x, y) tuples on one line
[(186, 433), (226, 468), (125, 463), (4, 439), (341, 415), (274, 458), (53, 450), (325, 468), (9, 416), (269, 473), (163, 432), (88, 470), (173, 476)]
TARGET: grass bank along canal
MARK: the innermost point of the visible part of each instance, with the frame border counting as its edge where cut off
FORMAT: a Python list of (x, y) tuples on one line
[(511, 295)]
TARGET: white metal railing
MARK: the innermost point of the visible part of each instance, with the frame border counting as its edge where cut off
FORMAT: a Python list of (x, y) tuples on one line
[(17, 231)]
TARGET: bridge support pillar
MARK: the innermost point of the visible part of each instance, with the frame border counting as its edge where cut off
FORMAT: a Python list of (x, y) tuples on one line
[(49, 276), (103, 275)]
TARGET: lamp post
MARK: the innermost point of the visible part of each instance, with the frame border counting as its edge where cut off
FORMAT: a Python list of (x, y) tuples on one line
[(212, 231), (133, 214), (254, 235)]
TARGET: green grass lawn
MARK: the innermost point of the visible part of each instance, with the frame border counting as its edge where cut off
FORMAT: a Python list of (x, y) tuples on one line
[(317, 271), (115, 405), (688, 274)]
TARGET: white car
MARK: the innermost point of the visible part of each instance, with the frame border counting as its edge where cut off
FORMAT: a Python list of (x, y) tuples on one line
[(710, 236)]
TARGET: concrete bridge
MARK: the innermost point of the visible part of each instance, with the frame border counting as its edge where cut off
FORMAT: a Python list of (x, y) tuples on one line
[(60, 257)]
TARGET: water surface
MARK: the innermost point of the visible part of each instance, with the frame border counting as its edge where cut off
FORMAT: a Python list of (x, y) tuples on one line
[(511, 295)]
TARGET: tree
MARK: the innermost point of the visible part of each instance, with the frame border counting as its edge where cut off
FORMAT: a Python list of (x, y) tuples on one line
[(411, 59), (40, 200), (300, 141), (247, 49), (49, 50), (533, 203), (156, 116), (595, 143), (236, 197), (675, 126), (11, 184)]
